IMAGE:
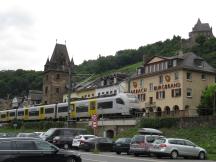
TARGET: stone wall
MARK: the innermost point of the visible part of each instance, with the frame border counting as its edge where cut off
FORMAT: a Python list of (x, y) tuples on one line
[(201, 121)]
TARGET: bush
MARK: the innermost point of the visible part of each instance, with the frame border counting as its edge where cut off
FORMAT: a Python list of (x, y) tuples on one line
[(159, 123)]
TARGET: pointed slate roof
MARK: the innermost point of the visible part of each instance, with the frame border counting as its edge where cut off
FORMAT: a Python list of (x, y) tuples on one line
[(199, 26), (59, 60)]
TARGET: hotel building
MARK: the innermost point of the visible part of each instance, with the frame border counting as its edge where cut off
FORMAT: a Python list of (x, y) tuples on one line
[(172, 86)]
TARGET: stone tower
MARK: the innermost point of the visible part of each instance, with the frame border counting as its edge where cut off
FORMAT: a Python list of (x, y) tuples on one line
[(200, 29), (56, 75)]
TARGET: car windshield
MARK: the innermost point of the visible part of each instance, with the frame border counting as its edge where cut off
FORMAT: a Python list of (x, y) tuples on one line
[(138, 138), (49, 132)]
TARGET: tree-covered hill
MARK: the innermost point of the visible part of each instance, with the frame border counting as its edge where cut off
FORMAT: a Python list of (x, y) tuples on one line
[(18, 82)]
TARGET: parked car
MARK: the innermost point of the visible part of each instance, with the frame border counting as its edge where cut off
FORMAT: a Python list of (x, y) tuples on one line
[(81, 139), (101, 143), (62, 137), (122, 145), (27, 135), (19, 149), (141, 144), (173, 147)]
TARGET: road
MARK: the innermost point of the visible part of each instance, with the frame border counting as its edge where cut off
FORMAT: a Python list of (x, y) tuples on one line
[(112, 157)]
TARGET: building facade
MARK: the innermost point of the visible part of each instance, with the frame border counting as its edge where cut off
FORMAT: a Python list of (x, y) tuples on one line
[(56, 75), (172, 86), (103, 86)]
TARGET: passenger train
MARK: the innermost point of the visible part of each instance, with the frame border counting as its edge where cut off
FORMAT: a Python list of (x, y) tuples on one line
[(123, 104)]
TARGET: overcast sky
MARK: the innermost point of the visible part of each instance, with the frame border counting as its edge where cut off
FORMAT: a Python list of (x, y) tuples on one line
[(29, 28)]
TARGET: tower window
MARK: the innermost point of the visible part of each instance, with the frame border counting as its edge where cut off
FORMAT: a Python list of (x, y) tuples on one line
[(57, 76), (46, 90), (46, 77), (57, 90)]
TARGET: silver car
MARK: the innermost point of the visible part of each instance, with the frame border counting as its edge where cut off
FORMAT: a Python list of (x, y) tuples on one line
[(175, 148), (141, 144)]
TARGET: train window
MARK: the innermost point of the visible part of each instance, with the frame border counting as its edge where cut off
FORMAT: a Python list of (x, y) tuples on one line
[(33, 113), (105, 105), (11, 114), (49, 110), (82, 108), (3, 116), (119, 101), (20, 113), (62, 109)]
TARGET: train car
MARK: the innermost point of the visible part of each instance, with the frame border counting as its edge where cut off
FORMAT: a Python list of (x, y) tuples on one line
[(62, 110), (12, 114), (23, 114), (4, 116), (82, 109), (49, 111), (120, 104), (34, 113)]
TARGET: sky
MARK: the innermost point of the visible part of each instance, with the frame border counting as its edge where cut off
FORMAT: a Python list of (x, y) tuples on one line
[(29, 28)]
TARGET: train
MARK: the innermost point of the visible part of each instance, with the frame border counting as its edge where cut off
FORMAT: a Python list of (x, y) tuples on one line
[(122, 104)]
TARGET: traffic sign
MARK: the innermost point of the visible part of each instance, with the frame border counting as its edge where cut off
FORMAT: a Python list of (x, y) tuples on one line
[(94, 118), (94, 124)]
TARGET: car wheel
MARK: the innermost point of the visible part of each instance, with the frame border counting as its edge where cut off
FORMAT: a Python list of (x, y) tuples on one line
[(128, 153), (118, 152), (136, 154), (174, 154), (66, 146), (201, 156), (71, 160)]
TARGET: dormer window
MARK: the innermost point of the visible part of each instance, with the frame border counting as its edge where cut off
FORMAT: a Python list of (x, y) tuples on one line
[(198, 62), (139, 71)]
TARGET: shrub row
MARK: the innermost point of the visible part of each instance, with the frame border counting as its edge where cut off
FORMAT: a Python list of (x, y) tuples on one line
[(159, 122), (38, 125)]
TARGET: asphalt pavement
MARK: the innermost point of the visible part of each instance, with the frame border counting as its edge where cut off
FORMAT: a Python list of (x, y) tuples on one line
[(112, 157)]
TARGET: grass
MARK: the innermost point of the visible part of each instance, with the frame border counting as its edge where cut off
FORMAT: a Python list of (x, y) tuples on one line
[(204, 137)]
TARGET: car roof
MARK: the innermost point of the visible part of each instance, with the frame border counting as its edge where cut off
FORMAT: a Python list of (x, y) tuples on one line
[(69, 128), (20, 138), (149, 131)]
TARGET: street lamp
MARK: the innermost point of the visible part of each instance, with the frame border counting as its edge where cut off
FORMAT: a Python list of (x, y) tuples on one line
[(214, 103), (102, 118)]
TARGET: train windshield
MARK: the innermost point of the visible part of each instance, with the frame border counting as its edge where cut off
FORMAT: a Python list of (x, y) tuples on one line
[(132, 98)]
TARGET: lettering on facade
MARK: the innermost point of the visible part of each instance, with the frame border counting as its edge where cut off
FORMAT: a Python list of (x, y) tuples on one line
[(167, 86), (140, 90)]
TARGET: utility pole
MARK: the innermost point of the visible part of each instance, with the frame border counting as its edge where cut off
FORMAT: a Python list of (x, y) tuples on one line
[(70, 89), (214, 103)]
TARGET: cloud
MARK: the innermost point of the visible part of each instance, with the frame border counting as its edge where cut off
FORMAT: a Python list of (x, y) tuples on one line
[(15, 19), (16, 37)]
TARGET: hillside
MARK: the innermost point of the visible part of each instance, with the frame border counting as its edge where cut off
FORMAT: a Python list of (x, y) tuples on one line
[(19, 82)]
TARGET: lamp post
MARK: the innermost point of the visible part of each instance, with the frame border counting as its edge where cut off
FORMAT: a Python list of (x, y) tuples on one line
[(69, 95), (214, 103), (102, 119)]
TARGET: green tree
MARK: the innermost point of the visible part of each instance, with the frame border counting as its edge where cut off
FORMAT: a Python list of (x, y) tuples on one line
[(207, 101)]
